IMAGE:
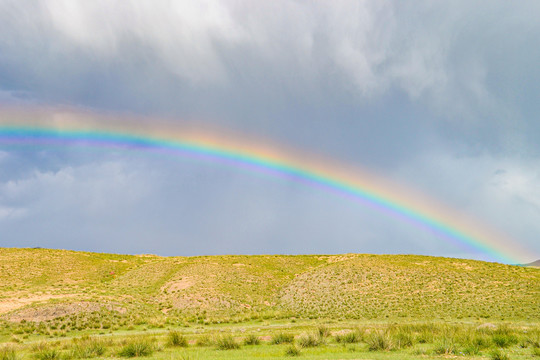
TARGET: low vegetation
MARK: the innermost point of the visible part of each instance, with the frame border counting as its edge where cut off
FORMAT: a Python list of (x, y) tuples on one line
[(63, 305)]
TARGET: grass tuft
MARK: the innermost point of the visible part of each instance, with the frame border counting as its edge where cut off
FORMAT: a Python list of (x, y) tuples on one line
[(137, 349), (349, 338), (88, 348), (8, 353), (282, 338), (48, 354), (310, 340), (323, 331), (498, 355), (252, 340), (379, 341), (227, 342), (175, 338), (292, 351)]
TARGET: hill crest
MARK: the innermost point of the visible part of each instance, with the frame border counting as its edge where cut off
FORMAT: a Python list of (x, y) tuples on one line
[(44, 284)]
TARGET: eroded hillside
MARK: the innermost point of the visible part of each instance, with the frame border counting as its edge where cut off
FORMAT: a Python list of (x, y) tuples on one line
[(44, 285)]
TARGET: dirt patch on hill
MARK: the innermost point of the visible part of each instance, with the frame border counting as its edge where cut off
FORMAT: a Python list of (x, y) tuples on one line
[(8, 305), (182, 284), (52, 311)]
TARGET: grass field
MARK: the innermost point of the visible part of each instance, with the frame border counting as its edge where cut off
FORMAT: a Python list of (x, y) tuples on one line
[(57, 304)]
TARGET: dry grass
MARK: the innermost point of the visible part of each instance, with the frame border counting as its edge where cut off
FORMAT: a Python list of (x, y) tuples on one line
[(67, 291)]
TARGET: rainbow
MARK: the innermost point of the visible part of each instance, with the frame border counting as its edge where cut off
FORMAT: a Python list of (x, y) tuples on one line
[(88, 129)]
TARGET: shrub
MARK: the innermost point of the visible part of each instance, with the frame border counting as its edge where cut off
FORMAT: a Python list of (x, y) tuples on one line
[(292, 351), (137, 349), (175, 338), (227, 343), (282, 338), (252, 340)]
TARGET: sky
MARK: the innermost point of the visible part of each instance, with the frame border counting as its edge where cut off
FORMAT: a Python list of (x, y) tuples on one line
[(438, 97)]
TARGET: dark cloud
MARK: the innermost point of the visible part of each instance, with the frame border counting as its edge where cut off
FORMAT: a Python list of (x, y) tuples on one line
[(438, 96)]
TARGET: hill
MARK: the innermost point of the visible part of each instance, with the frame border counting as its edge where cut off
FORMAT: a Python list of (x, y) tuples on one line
[(534, 263), (76, 289)]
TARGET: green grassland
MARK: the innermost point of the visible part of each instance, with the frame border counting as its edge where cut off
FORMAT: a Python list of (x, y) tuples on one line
[(57, 304)]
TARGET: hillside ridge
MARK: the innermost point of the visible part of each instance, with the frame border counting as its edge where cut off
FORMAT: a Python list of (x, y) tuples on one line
[(45, 284)]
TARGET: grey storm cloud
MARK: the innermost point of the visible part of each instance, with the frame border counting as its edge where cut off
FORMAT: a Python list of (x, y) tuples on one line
[(438, 96)]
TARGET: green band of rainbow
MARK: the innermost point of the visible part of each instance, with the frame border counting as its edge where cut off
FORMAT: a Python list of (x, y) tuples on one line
[(322, 176)]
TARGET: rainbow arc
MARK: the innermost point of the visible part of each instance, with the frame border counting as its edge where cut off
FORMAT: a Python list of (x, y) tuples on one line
[(392, 199)]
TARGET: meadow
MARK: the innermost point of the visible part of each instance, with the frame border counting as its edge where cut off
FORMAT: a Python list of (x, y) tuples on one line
[(57, 304)]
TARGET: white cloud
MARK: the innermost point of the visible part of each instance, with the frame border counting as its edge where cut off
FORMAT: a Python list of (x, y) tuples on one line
[(10, 213)]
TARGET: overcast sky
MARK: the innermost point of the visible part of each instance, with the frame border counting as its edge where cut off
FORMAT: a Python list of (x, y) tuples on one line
[(441, 97)]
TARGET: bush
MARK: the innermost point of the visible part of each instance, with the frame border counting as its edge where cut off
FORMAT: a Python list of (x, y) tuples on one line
[(282, 338), (137, 349), (227, 343), (252, 340), (175, 338), (292, 351)]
